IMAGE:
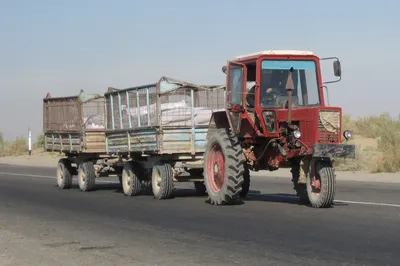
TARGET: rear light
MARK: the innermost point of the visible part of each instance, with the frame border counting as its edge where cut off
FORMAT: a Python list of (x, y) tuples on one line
[(328, 126)]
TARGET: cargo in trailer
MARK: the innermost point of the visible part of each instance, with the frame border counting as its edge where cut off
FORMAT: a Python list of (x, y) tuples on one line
[(75, 126), (160, 131)]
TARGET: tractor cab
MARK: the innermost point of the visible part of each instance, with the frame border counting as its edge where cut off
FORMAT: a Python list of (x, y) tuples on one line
[(270, 89)]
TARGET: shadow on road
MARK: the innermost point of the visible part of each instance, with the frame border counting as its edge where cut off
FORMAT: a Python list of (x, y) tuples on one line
[(281, 198), (253, 195)]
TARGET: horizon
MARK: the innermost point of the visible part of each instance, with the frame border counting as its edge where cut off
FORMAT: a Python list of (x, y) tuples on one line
[(63, 47)]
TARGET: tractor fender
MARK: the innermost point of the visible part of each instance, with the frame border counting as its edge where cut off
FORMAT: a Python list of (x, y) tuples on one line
[(218, 120)]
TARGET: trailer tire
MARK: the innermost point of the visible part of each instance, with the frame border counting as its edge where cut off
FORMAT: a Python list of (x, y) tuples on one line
[(321, 186), (246, 183), (223, 167), (64, 174), (86, 176), (162, 181), (201, 189), (131, 184)]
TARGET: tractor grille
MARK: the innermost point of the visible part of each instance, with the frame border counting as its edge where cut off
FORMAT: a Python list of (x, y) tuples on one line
[(328, 126)]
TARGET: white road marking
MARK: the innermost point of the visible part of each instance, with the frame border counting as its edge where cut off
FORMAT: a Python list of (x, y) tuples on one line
[(279, 196), (368, 203), (346, 201)]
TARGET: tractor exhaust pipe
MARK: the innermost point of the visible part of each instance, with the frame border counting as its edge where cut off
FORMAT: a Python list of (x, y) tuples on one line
[(289, 89)]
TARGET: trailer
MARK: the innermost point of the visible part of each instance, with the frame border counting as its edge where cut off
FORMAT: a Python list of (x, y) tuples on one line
[(75, 126), (159, 132)]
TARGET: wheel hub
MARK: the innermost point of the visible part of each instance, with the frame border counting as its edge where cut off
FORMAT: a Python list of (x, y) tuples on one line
[(216, 169), (216, 172), (315, 181)]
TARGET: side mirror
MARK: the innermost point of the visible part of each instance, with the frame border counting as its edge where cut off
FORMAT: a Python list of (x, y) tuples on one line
[(337, 70), (224, 69)]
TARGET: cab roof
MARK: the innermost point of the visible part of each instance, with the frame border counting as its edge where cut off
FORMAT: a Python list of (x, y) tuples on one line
[(276, 52)]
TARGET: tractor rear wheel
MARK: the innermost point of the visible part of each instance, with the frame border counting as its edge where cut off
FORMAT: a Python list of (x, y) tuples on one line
[(223, 167), (321, 184)]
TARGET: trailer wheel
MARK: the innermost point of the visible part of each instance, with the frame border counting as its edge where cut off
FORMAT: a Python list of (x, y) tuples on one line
[(246, 183), (223, 167), (86, 176), (162, 181), (64, 174), (321, 184), (201, 189), (131, 184)]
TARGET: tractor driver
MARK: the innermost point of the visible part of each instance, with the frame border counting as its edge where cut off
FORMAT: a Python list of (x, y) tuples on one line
[(273, 83)]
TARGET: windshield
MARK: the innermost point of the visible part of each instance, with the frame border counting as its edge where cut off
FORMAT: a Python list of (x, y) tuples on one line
[(274, 75)]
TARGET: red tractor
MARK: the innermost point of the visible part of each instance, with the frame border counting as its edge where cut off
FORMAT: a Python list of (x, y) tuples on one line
[(275, 116)]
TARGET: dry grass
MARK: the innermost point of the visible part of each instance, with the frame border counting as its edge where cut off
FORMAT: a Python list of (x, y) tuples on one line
[(377, 140), (11, 148), (19, 147)]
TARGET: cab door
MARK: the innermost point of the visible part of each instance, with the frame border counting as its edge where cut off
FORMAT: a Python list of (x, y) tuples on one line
[(235, 89)]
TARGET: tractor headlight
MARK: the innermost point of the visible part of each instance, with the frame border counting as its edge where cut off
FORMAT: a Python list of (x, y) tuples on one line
[(297, 134), (347, 134)]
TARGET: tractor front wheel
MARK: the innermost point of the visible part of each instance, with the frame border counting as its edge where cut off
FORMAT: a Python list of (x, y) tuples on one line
[(321, 184), (223, 167)]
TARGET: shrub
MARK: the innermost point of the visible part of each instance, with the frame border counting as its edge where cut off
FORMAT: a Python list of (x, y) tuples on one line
[(386, 130), (11, 148)]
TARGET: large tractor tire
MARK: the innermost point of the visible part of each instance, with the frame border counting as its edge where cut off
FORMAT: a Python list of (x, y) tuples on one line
[(321, 186), (64, 174), (162, 181), (131, 184), (86, 176), (223, 167)]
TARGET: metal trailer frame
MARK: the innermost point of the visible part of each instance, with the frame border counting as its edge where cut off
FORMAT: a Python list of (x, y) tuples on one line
[(66, 130), (155, 152)]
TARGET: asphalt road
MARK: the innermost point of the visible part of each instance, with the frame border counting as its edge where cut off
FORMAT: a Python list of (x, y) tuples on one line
[(42, 225)]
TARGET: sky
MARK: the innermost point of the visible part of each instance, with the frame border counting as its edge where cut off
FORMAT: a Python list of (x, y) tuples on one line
[(62, 47)]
